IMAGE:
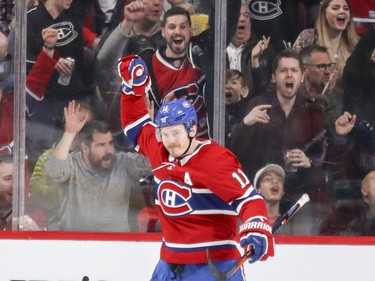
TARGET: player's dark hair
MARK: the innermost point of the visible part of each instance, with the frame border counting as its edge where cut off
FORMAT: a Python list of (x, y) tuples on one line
[(306, 52), (286, 53), (90, 128), (174, 11)]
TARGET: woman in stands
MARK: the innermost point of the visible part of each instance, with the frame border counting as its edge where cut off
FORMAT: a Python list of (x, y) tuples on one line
[(334, 29)]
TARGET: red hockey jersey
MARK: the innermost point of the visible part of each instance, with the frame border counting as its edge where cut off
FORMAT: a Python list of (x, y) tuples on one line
[(36, 84), (179, 79), (199, 197)]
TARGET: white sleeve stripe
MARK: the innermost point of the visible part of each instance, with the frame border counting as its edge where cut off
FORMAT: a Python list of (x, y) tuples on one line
[(239, 207), (137, 123)]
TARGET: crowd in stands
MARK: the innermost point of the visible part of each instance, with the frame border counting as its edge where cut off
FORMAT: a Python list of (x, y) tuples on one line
[(299, 107)]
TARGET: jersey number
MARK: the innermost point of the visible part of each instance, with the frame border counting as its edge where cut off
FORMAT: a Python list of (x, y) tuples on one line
[(241, 178)]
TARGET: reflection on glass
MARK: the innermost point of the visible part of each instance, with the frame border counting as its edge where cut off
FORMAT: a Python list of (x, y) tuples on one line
[(95, 181)]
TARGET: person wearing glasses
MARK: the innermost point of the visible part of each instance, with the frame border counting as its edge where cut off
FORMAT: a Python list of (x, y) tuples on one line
[(319, 83), (334, 28), (280, 129)]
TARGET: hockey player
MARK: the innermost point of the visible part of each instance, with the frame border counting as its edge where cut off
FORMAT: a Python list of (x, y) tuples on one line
[(200, 189)]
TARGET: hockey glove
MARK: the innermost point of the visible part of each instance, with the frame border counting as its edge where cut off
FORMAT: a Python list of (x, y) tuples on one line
[(256, 236), (135, 78)]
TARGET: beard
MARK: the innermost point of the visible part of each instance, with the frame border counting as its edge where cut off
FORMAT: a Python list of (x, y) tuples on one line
[(5, 200), (179, 49), (103, 163), (323, 83)]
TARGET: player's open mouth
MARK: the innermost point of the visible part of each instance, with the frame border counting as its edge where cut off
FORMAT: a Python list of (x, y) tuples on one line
[(228, 95)]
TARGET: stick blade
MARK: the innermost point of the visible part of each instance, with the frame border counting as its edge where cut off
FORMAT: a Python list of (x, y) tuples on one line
[(304, 199)]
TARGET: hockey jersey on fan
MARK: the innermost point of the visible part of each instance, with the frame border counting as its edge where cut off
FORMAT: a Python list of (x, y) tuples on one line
[(70, 43), (198, 201), (177, 78)]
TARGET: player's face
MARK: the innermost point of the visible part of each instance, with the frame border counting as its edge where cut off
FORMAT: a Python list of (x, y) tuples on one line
[(101, 151), (271, 187), (177, 33), (287, 77), (6, 185), (234, 91), (152, 10), (175, 139), (338, 15), (243, 31), (316, 77)]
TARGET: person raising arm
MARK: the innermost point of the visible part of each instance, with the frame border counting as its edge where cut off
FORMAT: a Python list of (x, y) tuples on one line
[(193, 196)]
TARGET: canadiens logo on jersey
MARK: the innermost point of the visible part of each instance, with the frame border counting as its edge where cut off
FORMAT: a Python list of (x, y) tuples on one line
[(182, 82), (174, 197), (66, 33), (264, 9), (177, 63), (189, 92)]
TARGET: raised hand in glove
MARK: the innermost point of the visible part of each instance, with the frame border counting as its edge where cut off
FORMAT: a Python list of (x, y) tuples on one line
[(256, 235), (135, 78)]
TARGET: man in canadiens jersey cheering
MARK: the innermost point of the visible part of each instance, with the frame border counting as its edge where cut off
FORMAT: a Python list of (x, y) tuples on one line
[(174, 75), (201, 189)]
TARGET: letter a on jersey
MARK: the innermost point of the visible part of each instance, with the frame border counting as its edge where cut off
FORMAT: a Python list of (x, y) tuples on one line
[(187, 179)]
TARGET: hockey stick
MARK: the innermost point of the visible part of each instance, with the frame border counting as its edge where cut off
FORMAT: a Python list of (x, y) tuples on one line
[(294, 209), (223, 276)]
